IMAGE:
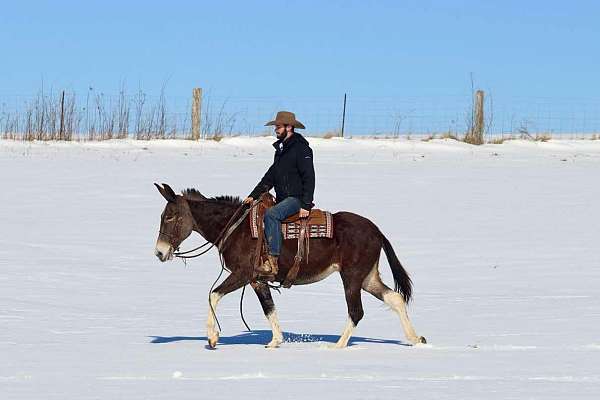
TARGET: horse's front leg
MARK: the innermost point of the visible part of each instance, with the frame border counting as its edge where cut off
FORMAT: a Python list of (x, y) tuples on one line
[(355, 309), (232, 283), (266, 301)]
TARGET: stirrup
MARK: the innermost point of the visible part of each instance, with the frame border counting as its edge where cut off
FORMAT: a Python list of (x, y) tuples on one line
[(264, 278), (267, 272)]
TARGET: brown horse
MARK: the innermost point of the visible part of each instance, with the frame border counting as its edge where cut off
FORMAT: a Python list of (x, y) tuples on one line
[(353, 251)]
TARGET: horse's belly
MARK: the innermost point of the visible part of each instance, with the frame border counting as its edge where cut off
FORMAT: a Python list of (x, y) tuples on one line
[(306, 278)]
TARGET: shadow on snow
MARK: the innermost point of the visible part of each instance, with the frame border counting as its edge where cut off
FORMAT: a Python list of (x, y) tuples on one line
[(262, 337)]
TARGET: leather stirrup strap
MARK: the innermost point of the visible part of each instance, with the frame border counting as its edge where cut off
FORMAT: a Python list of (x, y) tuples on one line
[(302, 246), (259, 243)]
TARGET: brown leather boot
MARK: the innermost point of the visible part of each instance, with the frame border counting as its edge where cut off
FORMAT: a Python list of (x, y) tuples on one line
[(269, 269)]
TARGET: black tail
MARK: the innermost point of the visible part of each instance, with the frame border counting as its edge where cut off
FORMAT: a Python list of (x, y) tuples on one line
[(402, 282)]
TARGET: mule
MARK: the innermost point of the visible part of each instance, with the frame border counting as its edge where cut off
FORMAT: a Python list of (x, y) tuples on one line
[(353, 252)]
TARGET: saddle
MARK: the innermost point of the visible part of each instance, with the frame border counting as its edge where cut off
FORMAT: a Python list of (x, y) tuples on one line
[(319, 224)]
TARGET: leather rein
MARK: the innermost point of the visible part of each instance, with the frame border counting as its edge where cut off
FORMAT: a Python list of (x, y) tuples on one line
[(222, 237)]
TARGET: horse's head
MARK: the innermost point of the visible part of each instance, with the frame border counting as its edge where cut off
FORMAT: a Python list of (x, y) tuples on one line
[(176, 223)]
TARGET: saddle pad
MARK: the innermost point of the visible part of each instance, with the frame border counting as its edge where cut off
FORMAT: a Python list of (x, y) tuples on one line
[(320, 226)]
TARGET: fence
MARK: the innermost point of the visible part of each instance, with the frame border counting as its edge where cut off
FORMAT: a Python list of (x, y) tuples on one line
[(93, 115)]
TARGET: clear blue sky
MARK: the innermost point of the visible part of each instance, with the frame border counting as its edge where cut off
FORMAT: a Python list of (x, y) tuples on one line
[(303, 48)]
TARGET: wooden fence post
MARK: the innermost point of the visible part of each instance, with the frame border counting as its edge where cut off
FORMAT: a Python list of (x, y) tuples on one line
[(475, 133), (196, 113), (478, 126)]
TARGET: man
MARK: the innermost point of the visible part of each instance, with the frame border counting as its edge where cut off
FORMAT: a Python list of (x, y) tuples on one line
[(293, 176)]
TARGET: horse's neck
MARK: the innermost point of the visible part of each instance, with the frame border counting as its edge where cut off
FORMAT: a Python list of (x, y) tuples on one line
[(210, 218)]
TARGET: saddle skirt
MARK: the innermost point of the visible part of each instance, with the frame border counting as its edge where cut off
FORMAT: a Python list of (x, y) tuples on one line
[(320, 224)]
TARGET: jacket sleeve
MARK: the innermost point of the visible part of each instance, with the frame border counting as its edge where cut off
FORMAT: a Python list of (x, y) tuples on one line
[(307, 174), (265, 184)]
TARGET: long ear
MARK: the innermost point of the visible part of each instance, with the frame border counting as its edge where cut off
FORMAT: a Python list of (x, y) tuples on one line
[(165, 193), (170, 192)]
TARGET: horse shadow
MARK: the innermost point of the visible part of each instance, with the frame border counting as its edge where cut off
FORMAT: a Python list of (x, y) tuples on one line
[(262, 337)]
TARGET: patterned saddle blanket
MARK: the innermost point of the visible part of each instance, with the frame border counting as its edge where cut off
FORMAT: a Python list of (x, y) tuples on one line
[(320, 224)]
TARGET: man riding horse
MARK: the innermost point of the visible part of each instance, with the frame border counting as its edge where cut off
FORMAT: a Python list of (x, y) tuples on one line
[(293, 177), (292, 174)]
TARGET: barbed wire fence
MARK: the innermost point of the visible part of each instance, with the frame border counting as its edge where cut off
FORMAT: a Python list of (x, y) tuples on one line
[(93, 115)]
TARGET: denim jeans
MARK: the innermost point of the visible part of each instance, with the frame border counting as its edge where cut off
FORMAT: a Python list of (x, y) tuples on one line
[(273, 218)]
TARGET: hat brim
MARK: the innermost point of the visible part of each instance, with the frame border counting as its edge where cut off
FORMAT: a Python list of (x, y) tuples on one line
[(296, 124)]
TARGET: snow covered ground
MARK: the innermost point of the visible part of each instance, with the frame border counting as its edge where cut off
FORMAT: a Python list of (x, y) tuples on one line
[(501, 242)]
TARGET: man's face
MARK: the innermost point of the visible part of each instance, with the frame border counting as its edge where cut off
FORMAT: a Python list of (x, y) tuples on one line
[(282, 131)]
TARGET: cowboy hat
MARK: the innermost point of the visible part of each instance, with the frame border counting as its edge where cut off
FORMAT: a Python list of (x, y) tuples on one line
[(286, 118)]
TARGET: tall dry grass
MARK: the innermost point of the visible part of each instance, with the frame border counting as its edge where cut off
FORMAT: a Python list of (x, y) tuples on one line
[(54, 116)]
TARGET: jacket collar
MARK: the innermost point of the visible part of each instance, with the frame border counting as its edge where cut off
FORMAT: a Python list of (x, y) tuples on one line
[(296, 137), (286, 143)]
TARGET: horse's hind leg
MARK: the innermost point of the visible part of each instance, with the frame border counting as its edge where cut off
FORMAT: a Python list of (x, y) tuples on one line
[(355, 309), (377, 288), (232, 283), (266, 301)]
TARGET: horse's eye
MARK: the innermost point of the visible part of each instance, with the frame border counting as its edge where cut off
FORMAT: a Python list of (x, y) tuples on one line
[(170, 219)]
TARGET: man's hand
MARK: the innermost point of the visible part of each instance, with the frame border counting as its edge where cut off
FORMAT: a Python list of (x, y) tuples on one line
[(304, 213), (248, 200)]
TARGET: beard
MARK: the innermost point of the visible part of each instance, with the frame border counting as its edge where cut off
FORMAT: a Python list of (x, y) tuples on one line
[(281, 136)]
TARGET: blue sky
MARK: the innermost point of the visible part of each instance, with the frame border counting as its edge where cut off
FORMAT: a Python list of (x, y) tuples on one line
[(303, 48)]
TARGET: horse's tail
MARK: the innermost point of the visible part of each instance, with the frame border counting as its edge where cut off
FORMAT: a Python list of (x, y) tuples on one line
[(402, 282)]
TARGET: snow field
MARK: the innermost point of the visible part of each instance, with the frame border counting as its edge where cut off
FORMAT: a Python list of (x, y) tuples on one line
[(501, 242)]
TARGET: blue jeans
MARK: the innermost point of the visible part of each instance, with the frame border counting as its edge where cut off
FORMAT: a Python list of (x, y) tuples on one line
[(273, 218)]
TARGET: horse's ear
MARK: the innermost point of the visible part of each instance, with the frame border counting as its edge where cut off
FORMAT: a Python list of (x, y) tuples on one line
[(168, 194)]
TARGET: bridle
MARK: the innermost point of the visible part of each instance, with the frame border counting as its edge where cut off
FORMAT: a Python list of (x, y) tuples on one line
[(221, 238), (171, 236)]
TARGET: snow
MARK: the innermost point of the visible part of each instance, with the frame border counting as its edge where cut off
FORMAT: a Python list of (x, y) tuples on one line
[(501, 242)]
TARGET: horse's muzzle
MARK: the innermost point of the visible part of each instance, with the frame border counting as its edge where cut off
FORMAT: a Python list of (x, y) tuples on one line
[(164, 251)]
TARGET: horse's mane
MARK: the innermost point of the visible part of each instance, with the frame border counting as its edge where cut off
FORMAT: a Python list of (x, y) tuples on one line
[(194, 194), (234, 200)]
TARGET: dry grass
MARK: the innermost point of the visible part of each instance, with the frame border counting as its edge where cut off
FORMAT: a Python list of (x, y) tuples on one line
[(541, 137), (446, 135), (54, 116), (499, 140), (473, 139), (449, 135), (329, 135)]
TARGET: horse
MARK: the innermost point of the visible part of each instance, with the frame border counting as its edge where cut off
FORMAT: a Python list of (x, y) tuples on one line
[(353, 252)]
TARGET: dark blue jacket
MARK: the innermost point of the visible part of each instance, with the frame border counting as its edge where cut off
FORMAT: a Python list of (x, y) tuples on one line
[(292, 173)]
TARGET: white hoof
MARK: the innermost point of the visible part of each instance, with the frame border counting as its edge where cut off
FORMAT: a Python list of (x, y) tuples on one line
[(212, 340), (417, 340), (273, 344)]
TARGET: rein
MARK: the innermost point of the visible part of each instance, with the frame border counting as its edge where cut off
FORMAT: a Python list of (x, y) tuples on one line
[(222, 237)]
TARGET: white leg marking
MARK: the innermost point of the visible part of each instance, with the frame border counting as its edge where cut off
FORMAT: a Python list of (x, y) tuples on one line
[(375, 286), (211, 332), (277, 335), (396, 302), (343, 340)]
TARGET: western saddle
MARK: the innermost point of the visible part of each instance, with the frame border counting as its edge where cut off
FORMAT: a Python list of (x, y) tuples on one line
[(318, 224)]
